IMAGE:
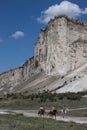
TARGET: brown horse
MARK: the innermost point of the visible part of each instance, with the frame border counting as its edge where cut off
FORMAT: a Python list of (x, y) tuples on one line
[(41, 112), (52, 113)]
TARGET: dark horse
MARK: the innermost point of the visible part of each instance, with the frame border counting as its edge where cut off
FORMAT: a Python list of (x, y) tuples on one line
[(52, 113), (41, 112)]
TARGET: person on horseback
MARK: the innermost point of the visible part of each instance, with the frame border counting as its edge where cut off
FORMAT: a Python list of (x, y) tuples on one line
[(52, 109), (41, 111), (41, 108), (52, 112), (64, 111)]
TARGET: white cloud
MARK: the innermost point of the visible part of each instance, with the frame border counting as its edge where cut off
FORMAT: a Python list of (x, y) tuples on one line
[(1, 40), (17, 34), (85, 11), (65, 7)]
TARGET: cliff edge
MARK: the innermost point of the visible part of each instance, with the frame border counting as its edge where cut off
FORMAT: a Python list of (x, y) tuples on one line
[(60, 51)]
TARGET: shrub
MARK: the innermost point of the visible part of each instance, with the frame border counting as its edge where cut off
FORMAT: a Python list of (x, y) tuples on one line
[(73, 96)]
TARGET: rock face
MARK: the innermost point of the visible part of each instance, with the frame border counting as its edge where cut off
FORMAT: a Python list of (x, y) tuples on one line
[(62, 46), (60, 49)]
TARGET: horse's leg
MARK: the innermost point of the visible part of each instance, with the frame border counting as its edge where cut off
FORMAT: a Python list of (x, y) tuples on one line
[(63, 114), (55, 116), (48, 114), (42, 115)]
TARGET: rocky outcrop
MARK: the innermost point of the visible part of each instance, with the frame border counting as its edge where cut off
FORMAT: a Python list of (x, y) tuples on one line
[(61, 48), (14, 77)]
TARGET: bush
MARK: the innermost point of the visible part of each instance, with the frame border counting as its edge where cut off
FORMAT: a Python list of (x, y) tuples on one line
[(73, 96)]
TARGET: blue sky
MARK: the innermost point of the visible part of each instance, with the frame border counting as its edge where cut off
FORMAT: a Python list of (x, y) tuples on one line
[(20, 24)]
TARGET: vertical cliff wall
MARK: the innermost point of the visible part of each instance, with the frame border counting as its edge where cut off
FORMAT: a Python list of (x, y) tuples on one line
[(62, 46)]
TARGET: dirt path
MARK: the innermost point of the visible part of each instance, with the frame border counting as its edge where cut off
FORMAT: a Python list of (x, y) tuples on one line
[(33, 113), (67, 118)]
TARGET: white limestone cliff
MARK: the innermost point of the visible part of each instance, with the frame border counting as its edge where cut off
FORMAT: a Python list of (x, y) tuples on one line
[(61, 48)]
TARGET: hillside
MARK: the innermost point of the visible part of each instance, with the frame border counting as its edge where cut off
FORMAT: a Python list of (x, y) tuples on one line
[(59, 62)]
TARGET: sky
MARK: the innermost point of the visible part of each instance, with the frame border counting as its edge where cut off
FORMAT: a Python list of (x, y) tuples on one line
[(20, 24)]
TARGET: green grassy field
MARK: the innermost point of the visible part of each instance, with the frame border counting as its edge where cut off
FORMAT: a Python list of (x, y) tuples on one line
[(34, 104), (19, 122), (28, 104)]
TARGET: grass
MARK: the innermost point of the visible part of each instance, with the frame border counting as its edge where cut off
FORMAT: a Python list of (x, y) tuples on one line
[(19, 122), (28, 104), (34, 104), (78, 113)]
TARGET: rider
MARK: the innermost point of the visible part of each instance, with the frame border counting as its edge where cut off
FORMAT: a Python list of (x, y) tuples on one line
[(53, 112), (41, 108), (64, 110), (53, 108)]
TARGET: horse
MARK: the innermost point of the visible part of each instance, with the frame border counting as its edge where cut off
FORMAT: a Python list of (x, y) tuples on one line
[(52, 113), (41, 112), (64, 111)]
